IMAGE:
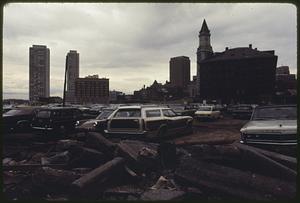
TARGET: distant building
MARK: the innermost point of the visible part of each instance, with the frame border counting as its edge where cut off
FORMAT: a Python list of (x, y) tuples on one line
[(282, 70), (238, 75), (39, 72), (92, 90), (72, 62), (192, 88), (180, 71), (285, 86), (114, 95)]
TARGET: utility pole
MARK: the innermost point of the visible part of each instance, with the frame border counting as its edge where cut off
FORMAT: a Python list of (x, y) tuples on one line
[(65, 82)]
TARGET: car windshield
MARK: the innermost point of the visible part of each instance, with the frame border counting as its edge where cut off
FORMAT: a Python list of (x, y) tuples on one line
[(205, 108), (278, 113), (128, 113), (169, 113), (16, 112), (44, 114), (104, 114)]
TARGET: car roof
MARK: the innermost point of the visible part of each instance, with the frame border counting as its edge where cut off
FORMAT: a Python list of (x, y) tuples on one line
[(143, 107)]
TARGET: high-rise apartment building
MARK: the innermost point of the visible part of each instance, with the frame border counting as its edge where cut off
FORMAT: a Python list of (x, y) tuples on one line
[(72, 62), (180, 71), (39, 72)]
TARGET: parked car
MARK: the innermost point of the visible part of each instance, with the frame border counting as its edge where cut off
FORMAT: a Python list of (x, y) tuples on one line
[(61, 119), (148, 121), (97, 124), (18, 119), (181, 110), (207, 112), (271, 125), (242, 111)]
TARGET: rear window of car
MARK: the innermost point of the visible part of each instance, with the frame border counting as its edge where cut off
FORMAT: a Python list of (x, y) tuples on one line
[(128, 113), (153, 113)]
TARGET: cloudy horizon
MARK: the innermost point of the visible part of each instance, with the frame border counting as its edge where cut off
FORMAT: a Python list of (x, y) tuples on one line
[(131, 44)]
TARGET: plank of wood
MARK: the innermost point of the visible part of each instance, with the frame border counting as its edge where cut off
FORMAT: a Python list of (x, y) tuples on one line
[(29, 167), (267, 163), (103, 171), (233, 182)]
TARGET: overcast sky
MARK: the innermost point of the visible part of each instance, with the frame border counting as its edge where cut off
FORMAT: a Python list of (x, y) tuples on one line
[(131, 44)]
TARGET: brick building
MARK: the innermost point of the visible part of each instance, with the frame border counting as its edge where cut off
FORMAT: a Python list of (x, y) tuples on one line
[(92, 90), (237, 75)]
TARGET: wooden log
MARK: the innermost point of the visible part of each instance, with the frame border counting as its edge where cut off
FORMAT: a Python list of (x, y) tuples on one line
[(139, 155), (53, 180), (264, 162), (100, 143), (231, 182), (30, 167), (86, 157), (103, 171), (211, 141), (283, 159)]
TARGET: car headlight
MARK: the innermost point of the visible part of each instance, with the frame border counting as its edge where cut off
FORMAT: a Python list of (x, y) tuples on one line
[(77, 123), (95, 124)]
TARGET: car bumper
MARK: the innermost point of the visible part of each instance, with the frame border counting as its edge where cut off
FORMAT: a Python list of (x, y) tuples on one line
[(268, 139)]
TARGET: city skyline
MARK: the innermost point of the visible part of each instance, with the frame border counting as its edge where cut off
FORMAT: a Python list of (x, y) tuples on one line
[(141, 53)]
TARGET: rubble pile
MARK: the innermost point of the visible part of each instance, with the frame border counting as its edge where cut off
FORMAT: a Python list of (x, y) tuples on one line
[(91, 167)]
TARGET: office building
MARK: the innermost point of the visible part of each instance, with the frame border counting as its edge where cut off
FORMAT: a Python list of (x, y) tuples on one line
[(180, 71), (92, 90)]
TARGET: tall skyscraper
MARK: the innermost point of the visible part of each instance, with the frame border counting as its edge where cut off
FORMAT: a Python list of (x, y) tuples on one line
[(39, 72), (180, 71), (204, 50), (72, 75)]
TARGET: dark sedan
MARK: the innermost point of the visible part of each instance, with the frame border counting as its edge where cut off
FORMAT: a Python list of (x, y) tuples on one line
[(18, 119), (97, 124)]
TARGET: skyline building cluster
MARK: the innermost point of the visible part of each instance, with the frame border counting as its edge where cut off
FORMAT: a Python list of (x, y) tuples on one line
[(90, 89), (236, 75)]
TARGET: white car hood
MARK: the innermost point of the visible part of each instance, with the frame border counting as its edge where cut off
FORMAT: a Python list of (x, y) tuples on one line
[(270, 127)]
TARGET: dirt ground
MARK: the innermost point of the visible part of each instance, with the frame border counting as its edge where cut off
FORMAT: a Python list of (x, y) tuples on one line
[(223, 130)]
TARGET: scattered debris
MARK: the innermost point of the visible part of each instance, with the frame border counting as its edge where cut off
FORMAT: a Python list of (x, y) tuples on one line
[(93, 167)]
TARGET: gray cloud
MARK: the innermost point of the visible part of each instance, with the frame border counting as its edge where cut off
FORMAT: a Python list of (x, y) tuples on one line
[(131, 44)]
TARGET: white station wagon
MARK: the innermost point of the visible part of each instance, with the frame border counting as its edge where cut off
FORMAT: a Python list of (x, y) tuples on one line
[(148, 121), (276, 125), (207, 112)]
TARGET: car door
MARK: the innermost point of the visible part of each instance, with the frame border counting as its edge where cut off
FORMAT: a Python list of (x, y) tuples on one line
[(153, 120), (126, 120)]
